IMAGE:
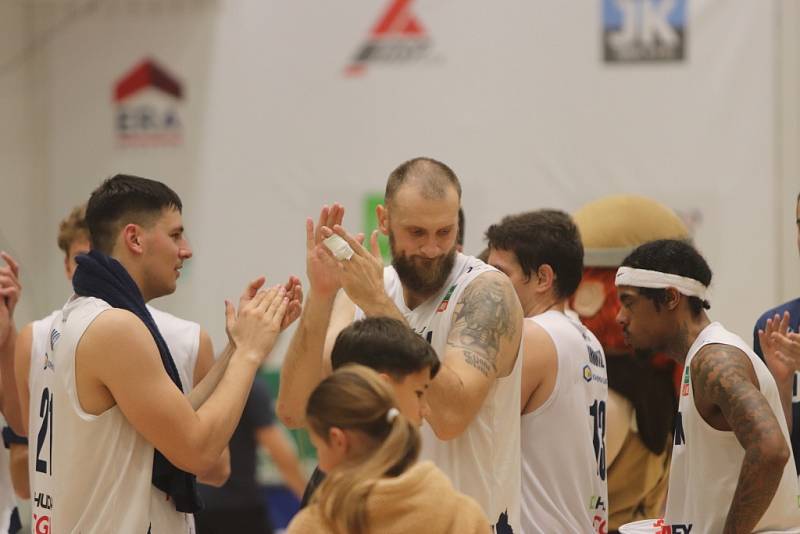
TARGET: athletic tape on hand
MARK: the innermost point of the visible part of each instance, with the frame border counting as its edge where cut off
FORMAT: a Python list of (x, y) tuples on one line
[(339, 247), (628, 276)]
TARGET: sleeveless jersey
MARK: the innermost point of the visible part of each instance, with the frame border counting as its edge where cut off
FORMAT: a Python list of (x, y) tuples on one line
[(89, 473), (564, 485), (706, 462), (8, 498), (484, 461), (183, 340)]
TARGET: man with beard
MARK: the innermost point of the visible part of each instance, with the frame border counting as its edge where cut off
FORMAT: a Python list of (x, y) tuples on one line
[(467, 310)]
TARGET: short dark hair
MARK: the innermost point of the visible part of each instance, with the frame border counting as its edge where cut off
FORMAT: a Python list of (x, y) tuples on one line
[(385, 345), (542, 237), (124, 199), (461, 226), (434, 178), (671, 256)]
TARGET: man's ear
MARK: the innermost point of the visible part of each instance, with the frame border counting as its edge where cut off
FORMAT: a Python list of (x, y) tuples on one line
[(132, 238), (382, 213), (673, 298)]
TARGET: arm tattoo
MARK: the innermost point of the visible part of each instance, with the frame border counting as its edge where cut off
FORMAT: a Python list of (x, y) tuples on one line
[(721, 374), (484, 316)]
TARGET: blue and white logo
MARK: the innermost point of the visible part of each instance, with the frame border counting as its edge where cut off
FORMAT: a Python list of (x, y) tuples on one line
[(644, 30)]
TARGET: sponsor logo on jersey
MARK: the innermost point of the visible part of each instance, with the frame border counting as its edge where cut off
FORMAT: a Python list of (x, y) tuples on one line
[(55, 335), (675, 528), (446, 300), (596, 357), (644, 30), (599, 525), (397, 37), (41, 524), (587, 373), (147, 100), (685, 384), (48, 363), (42, 500)]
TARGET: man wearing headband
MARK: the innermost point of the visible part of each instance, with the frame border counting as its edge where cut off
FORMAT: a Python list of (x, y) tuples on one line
[(731, 468)]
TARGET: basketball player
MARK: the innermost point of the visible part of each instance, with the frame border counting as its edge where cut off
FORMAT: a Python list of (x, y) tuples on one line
[(564, 381), (190, 346), (466, 309), (10, 466), (118, 436), (732, 468)]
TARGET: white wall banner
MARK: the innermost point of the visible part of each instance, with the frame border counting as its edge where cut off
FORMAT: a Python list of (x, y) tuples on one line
[(534, 104)]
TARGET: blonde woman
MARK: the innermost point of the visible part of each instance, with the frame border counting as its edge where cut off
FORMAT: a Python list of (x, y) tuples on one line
[(369, 451)]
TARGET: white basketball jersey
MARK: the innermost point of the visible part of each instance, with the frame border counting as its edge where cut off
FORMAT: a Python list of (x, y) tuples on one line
[(706, 462), (8, 499), (89, 473), (183, 339), (484, 461), (564, 485)]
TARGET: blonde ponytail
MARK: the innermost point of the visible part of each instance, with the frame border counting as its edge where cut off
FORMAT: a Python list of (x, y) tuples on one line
[(355, 397)]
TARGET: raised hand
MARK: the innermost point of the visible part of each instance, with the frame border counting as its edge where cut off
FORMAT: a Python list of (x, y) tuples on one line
[(10, 291), (362, 275), (257, 324), (321, 268), (294, 292), (781, 347)]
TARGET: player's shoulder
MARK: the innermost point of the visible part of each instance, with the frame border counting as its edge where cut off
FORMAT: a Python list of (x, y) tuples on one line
[(162, 317)]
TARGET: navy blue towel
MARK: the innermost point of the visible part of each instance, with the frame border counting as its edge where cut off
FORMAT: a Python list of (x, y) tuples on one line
[(103, 277)]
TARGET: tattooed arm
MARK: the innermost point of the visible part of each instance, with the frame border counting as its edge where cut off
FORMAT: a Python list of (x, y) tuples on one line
[(482, 346), (724, 383)]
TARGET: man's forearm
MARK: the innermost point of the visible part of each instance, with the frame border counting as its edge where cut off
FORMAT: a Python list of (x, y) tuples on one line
[(446, 399), (202, 391), (758, 481), (10, 395), (302, 367), (223, 409)]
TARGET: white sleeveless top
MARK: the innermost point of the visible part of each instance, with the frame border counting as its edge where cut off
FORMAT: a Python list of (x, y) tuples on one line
[(8, 499), (564, 485), (89, 473), (706, 462), (484, 461)]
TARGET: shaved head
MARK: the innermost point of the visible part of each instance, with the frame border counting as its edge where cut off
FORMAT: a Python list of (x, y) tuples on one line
[(430, 176)]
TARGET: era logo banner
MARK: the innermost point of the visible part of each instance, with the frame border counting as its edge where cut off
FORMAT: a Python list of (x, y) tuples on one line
[(147, 99), (397, 37), (644, 30)]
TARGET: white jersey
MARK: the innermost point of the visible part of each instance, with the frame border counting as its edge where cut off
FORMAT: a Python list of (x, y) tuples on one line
[(183, 339), (8, 499), (484, 461), (706, 462), (564, 485), (89, 473)]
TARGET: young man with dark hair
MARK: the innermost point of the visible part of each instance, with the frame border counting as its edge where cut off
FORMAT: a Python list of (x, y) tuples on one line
[(776, 339), (402, 358), (564, 381), (467, 310), (731, 470), (190, 347), (120, 443)]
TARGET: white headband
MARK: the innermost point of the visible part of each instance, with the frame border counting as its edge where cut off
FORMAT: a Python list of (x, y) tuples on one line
[(628, 276)]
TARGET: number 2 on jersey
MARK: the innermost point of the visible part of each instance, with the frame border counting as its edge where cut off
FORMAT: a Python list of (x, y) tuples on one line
[(598, 412), (46, 413)]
